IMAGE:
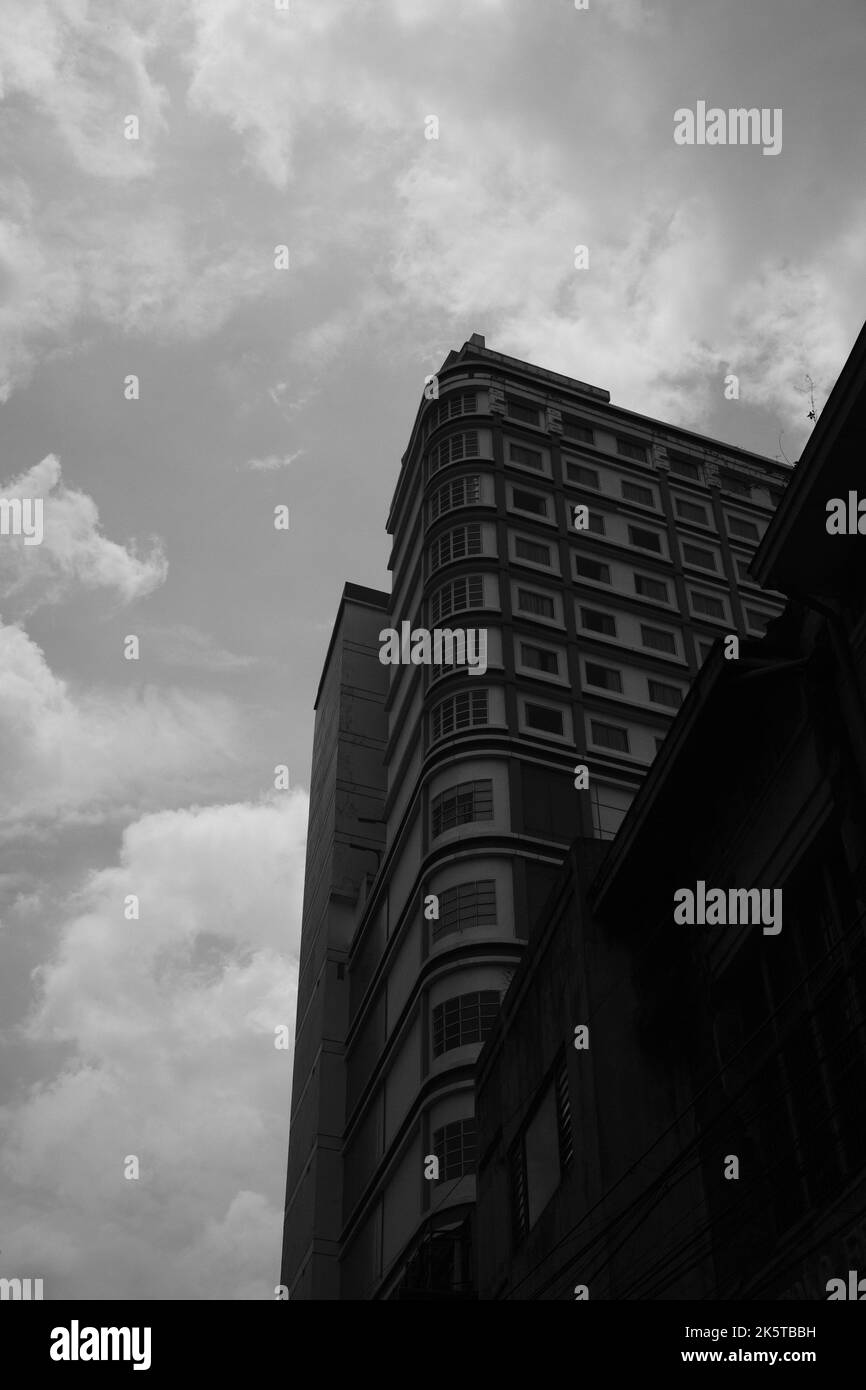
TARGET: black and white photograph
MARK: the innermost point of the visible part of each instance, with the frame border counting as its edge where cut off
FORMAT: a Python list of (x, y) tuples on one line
[(432, 673)]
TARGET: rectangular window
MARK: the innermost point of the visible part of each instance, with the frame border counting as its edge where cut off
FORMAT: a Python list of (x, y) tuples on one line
[(518, 410), (731, 483), (696, 555), (530, 458), (531, 550), (461, 805), (592, 569), (704, 649), (633, 492), (542, 1154), (593, 621), (539, 659), (738, 526), (542, 717), (468, 1018), (465, 906), (575, 429), (605, 677), (595, 523), (609, 736), (464, 711), (686, 468), (657, 639), (647, 540), (529, 501), (630, 449), (455, 1146), (462, 492), (586, 477), (691, 511), (703, 603), (662, 694), (456, 597), (538, 604), (655, 589)]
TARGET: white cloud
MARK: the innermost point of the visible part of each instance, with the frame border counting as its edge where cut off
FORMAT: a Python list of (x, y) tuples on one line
[(84, 755), (171, 1023), (73, 551), (84, 67), (181, 644), (268, 73), (270, 462)]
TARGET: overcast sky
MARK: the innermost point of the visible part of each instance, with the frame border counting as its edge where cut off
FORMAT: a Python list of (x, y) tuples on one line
[(259, 387)]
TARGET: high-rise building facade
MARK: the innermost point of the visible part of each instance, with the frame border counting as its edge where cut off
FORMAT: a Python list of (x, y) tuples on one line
[(602, 552)]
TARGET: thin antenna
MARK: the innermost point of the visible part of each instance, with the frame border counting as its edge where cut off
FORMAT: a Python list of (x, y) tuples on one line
[(811, 415), (782, 451)]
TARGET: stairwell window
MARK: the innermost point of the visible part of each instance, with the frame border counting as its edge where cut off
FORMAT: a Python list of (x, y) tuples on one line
[(465, 907), (455, 1146), (462, 805), (464, 711), (462, 492), (452, 449), (456, 403), (457, 597), (466, 1019), (455, 545)]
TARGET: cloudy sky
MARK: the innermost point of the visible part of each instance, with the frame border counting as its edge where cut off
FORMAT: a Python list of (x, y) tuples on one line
[(258, 386)]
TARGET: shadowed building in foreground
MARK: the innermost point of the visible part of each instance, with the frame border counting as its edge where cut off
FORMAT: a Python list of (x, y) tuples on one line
[(609, 1167), (602, 553)]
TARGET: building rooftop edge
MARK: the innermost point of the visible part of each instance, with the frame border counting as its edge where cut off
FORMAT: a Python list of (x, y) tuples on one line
[(352, 593)]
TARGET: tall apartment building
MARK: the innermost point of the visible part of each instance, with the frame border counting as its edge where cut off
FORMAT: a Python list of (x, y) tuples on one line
[(603, 552)]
